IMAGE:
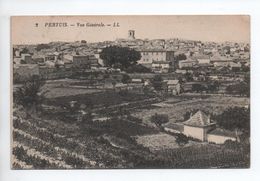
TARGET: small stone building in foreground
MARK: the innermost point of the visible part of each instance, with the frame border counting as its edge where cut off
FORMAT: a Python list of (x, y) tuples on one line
[(201, 127)]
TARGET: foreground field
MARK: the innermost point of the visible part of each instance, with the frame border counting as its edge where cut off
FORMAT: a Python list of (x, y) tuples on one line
[(53, 144), (53, 138)]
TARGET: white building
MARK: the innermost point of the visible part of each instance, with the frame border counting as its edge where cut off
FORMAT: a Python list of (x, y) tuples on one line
[(148, 57), (198, 126), (161, 66), (188, 63), (202, 59), (201, 127), (173, 87)]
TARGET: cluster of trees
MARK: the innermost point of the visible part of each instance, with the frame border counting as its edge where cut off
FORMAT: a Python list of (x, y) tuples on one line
[(241, 88), (29, 95), (138, 69), (210, 87), (157, 82), (125, 78), (180, 57), (234, 119), (120, 57)]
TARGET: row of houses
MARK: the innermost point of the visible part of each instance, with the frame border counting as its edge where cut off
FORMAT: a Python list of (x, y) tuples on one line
[(24, 72), (216, 61), (163, 61), (171, 87), (54, 59), (158, 60)]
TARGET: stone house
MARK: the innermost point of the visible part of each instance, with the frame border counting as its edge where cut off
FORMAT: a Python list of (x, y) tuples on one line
[(201, 127), (173, 87)]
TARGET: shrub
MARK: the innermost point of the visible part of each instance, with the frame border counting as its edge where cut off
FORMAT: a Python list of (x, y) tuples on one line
[(159, 119), (182, 139), (231, 144)]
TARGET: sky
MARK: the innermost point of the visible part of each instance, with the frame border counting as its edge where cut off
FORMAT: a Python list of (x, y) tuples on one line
[(218, 28)]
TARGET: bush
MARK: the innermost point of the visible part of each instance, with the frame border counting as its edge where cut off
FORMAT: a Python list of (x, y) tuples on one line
[(159, 119), (182, 139), (138, 69), (229, 144)]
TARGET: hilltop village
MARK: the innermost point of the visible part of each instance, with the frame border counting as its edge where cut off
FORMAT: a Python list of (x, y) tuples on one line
[(132, 103)]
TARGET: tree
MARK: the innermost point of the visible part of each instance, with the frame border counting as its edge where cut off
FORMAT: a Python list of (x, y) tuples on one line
[(188, 77), (182, 139), (235, 118), (29, 95), (138, 69), (213, 86), (159, 119), (242, 88), (198, 88), (114, 84), (24, 51), (119, 57), (157, 82), (180, 57), (125, 79), (83, 41), (73, 107)]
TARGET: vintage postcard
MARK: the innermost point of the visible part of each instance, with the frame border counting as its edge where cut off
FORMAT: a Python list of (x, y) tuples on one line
[(130, 92)]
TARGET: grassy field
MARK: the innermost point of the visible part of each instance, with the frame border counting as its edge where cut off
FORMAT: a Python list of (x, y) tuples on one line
[(97, 99), (61, 92), (155, 142)]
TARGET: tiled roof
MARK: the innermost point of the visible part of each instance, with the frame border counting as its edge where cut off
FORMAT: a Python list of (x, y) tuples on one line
[(175, 126), (200, 119)]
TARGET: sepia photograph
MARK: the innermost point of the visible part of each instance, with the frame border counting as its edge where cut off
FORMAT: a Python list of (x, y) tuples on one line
[(130, 92)]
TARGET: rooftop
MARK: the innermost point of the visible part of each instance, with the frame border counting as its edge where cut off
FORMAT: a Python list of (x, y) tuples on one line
[(171, 82), (155, 50), (161, 62), (175, 126), (222, 132), (200, 119)]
